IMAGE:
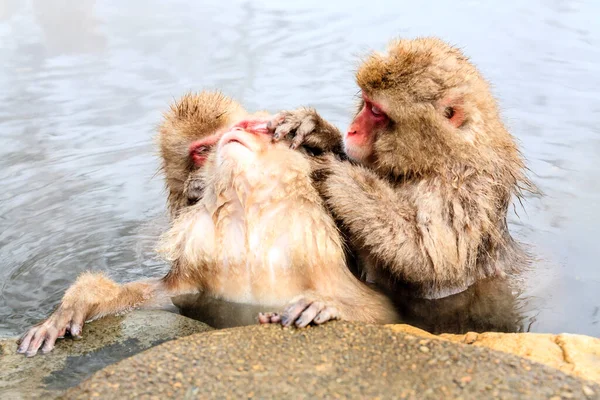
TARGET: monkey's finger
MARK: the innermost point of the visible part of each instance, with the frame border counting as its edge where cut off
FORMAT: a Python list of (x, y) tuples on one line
[(25, 340), (284, 130), (77, 324), (274, 122), (280, 126), (61, 333), (297, 141), (306, 127), (309, 314), (51, 337), (264, 318), (36, 342), (293, 311), (327, 314), (75, 330), (268, 318), (275, 318)]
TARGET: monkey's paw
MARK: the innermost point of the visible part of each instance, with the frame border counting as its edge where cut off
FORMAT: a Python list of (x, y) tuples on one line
[(46, 332), (304, 310), (295, 125), (194, 189)]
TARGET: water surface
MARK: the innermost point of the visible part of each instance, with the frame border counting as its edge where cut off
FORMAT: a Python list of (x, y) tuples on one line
[(83, 85)]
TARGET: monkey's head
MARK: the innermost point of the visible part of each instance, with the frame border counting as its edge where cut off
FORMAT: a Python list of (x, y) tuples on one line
[(247, 160), (190, 129), (425, 109), (248, 146)]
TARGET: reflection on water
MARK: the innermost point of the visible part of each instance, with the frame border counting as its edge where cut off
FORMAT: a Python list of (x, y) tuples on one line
[(492, 305), (83, 83)]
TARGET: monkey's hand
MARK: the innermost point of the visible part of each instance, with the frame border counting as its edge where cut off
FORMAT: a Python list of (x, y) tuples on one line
[(91, 296), (306, 309), (305, 128), (65, 319), (194, 188)]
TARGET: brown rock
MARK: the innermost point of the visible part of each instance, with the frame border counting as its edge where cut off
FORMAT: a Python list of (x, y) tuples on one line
[(104, 342), (577, 355), (334, 360)]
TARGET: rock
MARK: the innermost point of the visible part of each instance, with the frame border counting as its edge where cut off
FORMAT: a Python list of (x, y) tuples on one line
[(104, 342), (337, 359), (577, 355)]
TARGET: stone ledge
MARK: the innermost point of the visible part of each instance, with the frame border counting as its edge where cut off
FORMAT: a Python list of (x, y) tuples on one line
[(578, 355), (104, 342), (335, 360)]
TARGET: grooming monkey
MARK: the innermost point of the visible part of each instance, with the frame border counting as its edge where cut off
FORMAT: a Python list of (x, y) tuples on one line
[(425, 200), (248, 227)]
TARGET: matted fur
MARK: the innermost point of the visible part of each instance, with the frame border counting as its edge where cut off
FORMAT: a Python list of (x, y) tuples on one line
[(426, 211)]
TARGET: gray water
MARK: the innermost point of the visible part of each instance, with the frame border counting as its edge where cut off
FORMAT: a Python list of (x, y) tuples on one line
[(83, 85)]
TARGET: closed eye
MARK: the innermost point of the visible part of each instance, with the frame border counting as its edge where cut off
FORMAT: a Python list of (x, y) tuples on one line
[(202, 149)]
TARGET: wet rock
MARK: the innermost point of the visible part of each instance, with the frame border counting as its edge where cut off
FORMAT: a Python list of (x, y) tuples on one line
[(104, 342), (577, 355), (336, 360)]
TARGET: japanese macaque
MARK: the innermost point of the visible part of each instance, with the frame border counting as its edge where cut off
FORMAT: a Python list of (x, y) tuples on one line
[(425, 200), (248, 227)]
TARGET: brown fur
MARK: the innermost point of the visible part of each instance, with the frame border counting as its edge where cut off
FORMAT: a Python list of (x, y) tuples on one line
[(426, 210), (241, 242), (259, 234), (192, 117)]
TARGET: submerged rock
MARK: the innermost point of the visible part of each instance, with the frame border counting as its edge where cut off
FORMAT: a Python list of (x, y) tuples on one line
[(338, 359), (104, 342)]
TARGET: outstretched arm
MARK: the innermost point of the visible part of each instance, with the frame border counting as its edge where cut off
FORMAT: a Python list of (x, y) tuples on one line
[(93, 296)]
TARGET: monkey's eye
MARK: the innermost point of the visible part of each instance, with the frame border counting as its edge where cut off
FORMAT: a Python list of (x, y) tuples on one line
[(201, 149), (199, 153), (449, 112), (376, 110)]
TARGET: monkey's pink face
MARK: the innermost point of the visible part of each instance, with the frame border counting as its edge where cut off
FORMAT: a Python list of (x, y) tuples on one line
[(250, 134), (244, 140), (359, 139)]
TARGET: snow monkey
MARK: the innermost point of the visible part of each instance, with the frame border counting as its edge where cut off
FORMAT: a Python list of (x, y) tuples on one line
[(248, 227), (425, 196)]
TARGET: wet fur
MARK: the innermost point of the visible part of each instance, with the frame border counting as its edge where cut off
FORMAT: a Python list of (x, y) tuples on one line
[(259, 234), (426, 212)]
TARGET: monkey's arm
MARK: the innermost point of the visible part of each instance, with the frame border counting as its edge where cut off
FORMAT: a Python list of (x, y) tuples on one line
[(419, 234), (93, 296), (304, 127)]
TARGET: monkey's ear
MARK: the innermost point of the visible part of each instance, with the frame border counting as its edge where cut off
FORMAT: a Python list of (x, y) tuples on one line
[(453, 110)]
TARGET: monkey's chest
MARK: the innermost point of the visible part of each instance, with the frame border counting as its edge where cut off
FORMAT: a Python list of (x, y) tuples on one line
[(256, 258)]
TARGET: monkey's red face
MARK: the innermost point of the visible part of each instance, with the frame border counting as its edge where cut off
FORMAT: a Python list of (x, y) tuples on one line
[(244, 140), (361, 134), (245, 133)]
